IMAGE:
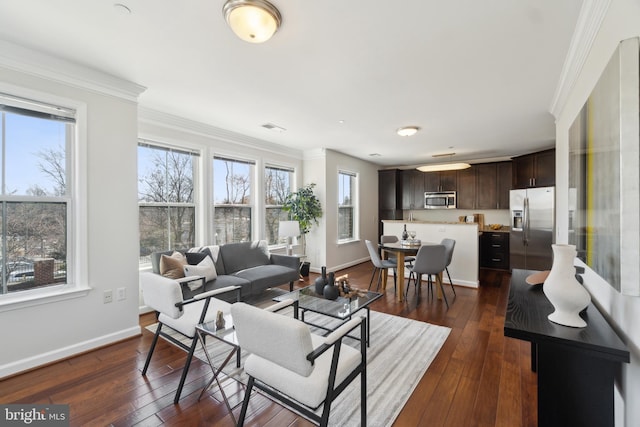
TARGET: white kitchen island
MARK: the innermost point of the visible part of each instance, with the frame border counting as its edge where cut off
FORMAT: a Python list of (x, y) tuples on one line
[(464, 265)]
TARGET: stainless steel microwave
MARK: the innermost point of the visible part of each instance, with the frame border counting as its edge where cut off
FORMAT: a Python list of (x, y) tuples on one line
[(440, 200)]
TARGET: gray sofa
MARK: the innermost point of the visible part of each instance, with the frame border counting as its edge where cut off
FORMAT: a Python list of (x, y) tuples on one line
[(248, 265)]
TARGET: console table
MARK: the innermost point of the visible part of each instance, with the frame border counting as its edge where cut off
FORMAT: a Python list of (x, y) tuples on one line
[(576, 367)]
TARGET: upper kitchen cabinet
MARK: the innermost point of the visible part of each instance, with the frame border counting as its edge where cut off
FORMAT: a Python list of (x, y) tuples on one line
[(389, 195), (466, 192), (440, 181), (487, 180), (535, 170), (503, 172), (412, 189)]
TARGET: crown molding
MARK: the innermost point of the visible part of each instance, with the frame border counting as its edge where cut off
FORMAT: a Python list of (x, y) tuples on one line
[(589, 21), (39, 64), (170, 121)]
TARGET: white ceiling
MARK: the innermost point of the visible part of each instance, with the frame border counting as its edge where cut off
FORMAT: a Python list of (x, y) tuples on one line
[(478, 77)]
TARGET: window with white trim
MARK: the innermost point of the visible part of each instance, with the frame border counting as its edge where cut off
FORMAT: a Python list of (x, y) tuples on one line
[(165, 198), (232, 199), (36, 139), (346, 205), (277, 185)]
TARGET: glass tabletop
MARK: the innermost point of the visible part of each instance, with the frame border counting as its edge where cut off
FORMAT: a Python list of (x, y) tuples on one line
[(226, 333), (340, 308)]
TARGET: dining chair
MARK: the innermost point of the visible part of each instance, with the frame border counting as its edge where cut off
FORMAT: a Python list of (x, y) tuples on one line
[(449, 244), (432, 261), (379, 265), (303, 370), (164, 295)]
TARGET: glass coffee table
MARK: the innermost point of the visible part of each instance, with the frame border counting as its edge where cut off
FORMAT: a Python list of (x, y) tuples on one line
[(342, 308)]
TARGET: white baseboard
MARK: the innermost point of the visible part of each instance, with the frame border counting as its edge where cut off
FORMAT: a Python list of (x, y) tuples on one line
[(64, 352)]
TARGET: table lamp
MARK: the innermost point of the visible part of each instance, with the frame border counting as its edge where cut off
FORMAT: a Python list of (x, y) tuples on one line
[(289, 229)]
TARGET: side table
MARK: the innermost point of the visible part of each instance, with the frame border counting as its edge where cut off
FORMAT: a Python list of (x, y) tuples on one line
[(226, 335)]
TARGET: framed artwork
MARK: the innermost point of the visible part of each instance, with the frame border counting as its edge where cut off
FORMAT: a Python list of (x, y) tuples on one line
[(604, 176)]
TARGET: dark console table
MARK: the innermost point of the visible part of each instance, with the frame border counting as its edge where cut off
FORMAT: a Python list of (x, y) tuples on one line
[(576, 366)]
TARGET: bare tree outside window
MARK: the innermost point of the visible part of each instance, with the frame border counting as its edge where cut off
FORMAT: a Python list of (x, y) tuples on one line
[(33, 203), (165, 197), (232, 190), (277, 185)]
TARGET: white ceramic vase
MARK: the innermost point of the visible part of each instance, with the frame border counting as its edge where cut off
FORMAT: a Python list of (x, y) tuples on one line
[(564, 291)]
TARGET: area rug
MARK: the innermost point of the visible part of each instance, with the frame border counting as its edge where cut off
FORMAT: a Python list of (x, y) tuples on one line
[(400, 352)]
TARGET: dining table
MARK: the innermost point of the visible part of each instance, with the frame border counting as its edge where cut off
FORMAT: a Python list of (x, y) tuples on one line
[(400, 250)]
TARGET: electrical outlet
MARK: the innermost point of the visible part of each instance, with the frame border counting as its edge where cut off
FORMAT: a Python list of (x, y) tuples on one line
[(121, 294), (107, 296)]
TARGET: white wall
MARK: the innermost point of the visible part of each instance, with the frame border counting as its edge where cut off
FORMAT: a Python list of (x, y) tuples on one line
[(321, 167), (621, 21), (38, 334)]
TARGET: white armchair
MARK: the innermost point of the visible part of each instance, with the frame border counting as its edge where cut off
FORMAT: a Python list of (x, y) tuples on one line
[(165, 296), (296, 367)]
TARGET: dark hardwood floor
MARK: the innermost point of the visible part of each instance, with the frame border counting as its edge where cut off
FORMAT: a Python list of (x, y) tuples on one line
[(479, 378)]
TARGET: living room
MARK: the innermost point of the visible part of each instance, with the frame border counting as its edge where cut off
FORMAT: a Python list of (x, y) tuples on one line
[(106, 246)]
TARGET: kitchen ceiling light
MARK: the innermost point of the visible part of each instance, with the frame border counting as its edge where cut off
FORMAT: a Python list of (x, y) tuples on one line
[(444, 167), (408, 130), (439, 167), (254, 21)]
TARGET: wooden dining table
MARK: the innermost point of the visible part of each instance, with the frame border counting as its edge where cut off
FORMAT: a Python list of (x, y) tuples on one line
[(400, 251)]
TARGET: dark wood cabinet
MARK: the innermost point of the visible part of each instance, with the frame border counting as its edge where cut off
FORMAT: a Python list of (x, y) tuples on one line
[(576, 367), (440, 181), (503, 175), (389, 196), (534, 170), (412, 189), (487, 180), (494, 250), (466, 191)]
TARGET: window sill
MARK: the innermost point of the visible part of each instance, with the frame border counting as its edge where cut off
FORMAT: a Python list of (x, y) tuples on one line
[(348, 241), (36, 297)]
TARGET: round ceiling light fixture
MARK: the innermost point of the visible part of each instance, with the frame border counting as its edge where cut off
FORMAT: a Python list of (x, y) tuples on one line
[(254, 21), (408, 130)]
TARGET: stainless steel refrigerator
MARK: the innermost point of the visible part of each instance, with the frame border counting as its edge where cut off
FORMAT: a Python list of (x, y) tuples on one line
[(532, 228)]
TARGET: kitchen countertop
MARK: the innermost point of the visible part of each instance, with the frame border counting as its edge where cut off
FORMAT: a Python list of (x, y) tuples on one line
[(504, 229)]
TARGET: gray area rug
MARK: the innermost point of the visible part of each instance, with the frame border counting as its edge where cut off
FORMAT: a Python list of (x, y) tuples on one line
[(400, 352)]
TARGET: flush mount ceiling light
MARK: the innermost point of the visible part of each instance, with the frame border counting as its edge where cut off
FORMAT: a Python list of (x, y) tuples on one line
[(254, 21), (408, 130), (439, 167)]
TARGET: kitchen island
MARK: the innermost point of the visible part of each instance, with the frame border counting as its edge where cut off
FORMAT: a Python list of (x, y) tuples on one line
[(464, 264)]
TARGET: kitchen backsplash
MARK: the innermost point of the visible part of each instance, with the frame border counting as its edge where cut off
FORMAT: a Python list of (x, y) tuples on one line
[(491, 216)]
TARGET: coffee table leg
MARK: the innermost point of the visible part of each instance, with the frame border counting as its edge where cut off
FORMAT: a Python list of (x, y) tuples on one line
[(368, 324)]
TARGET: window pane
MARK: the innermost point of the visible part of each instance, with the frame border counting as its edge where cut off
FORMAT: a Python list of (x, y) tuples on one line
[(231, 182), (346, 190), (163, 228), (232, 188), (35, 155), (233, 224), (35, 246), (164, 175), (277, 185)]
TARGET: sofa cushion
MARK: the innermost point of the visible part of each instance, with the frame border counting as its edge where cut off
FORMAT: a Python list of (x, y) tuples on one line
[(172, 266), (204, 268), (267, 276), (214, 252), (240, 256)]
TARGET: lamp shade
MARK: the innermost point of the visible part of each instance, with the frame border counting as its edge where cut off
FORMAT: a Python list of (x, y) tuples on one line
[(254, 21), (288, 229)]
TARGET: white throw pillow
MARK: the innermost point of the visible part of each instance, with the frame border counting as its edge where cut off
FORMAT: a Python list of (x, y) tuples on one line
[(205, 268)]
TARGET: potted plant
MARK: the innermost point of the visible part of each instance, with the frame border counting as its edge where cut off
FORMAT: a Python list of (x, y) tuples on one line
[(303, 206)]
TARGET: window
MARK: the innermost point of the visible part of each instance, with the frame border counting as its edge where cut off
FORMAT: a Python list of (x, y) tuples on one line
[(277, 185), (166, 199), (35, 200), (346, 205), (232, 192)]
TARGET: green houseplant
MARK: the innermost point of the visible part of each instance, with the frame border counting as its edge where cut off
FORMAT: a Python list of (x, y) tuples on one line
[(303, 206)]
